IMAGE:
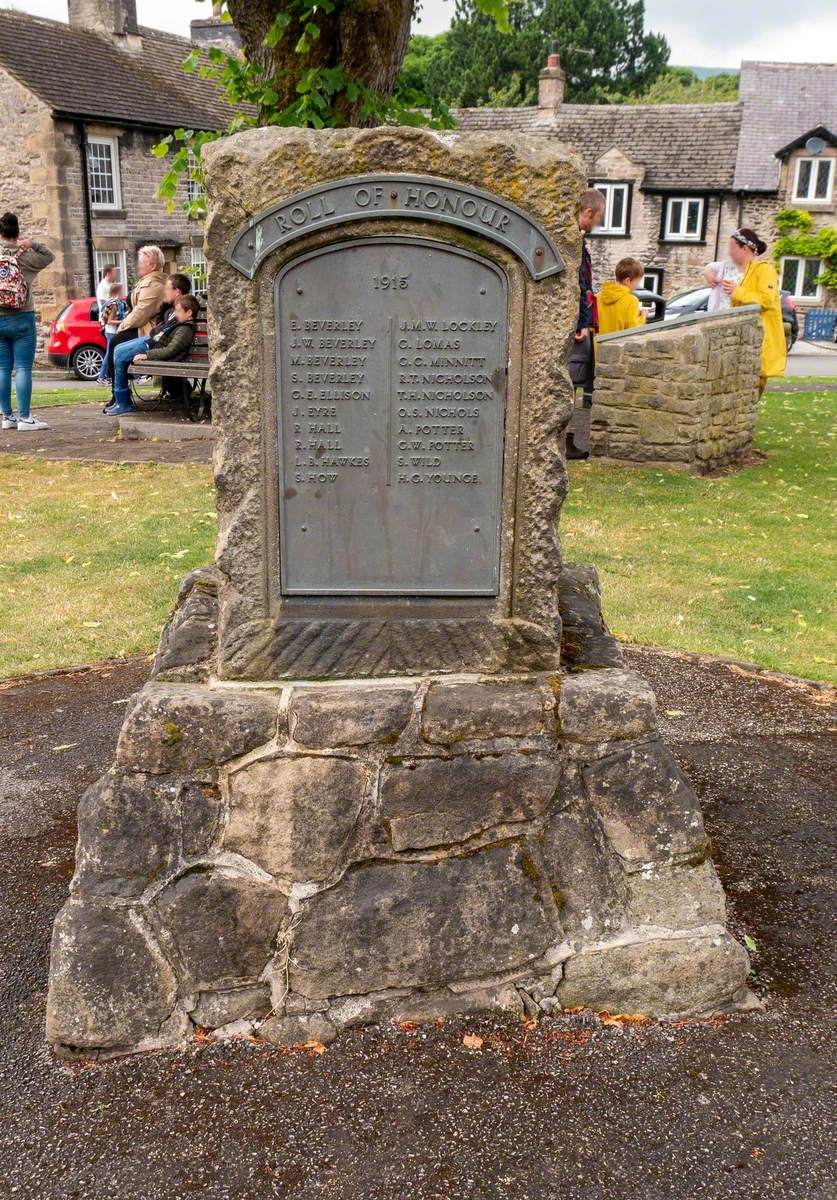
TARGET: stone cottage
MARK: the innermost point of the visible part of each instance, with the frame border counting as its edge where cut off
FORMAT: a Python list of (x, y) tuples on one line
[(81, 106), (680, 177), (100, 91)]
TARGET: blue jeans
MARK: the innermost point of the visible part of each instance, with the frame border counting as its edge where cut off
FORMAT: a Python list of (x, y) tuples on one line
[(17, 349), (103, 370), (123, 356)]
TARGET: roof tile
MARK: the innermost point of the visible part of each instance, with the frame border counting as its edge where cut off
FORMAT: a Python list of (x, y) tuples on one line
[(84, 74), (781, 101), (681, 146)]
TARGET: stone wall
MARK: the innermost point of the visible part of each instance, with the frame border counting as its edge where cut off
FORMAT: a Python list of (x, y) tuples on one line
[(143, 217), (42, 182), (683, 392), (28, 183)]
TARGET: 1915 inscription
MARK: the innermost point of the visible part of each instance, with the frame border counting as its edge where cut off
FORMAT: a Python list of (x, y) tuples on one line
[(392, 376)]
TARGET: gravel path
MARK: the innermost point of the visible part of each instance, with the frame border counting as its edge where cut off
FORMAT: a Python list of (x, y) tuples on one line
[(83, 433), (572, 1109)]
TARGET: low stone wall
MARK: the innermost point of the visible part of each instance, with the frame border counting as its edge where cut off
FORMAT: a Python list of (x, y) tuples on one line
[(683, 391)]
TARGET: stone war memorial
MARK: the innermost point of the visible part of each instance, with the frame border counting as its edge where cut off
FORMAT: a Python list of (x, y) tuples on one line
[(390, 764)]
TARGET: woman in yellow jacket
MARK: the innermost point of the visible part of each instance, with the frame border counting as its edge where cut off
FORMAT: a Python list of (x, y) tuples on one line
[(760, 285)]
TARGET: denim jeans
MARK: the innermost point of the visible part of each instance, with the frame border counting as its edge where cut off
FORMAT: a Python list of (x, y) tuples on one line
[(103, 370), (122, 358), (17, 349)]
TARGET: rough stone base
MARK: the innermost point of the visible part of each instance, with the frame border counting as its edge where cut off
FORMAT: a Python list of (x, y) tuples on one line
[(291, 860)]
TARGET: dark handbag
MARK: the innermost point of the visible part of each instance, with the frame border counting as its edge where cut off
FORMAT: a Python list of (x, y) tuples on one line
[(581, 362)]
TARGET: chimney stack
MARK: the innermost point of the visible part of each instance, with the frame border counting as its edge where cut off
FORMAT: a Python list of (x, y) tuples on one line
[(212, 31), (114, 19), (551, 82)]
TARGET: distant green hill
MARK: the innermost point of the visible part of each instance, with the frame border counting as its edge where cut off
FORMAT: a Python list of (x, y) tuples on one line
[(705, 72)]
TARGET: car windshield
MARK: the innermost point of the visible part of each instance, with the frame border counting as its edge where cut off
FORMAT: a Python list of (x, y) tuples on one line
[(689, 299)]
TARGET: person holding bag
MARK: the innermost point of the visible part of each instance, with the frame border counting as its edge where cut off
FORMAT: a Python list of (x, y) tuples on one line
[(20, 261)]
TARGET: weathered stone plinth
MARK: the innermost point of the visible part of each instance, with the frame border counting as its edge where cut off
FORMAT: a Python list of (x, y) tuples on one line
[(363, 782), (292, 860)]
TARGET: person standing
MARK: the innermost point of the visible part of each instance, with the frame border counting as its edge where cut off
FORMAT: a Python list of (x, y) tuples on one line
[(20, 261), (106, 282), (591, 210), (759, 285)]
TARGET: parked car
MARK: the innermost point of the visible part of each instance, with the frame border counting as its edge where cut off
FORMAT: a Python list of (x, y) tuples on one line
[(696, 300), (76, 340)]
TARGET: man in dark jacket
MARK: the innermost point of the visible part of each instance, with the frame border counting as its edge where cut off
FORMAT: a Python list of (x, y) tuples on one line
[(170, 343), (591, 209)]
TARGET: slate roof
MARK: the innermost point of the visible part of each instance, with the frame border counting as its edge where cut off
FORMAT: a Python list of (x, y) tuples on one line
[(781, 101), (681, 146), (84, 74)]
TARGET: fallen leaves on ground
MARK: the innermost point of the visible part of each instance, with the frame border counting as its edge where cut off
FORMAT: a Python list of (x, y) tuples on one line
[(620, 1019)]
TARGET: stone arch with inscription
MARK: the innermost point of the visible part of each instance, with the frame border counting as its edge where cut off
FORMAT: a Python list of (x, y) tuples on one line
[(384, 196)]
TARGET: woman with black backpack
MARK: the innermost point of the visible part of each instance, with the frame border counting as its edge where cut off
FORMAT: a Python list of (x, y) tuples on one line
[(20, 261)]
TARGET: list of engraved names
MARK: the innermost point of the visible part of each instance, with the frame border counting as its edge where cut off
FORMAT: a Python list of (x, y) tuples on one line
[(440, 388), (392, 382)]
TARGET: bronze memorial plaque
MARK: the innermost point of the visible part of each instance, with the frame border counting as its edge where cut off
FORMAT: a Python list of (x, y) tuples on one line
[(392, 362)]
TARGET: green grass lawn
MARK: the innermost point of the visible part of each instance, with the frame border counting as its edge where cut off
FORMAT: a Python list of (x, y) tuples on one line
[(52, 396), (91, 554), (742, 565)]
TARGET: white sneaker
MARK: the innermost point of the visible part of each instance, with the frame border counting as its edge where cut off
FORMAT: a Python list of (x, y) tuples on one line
[(31, 423), (10, 422)]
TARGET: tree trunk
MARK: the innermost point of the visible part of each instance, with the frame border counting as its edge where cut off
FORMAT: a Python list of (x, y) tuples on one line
[(367, 38)]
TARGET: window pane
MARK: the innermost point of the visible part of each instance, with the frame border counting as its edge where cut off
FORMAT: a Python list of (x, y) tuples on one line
[(114, 258), (675, 216), (194, 180), (198, 269), (803, 179), (789, 272), (693, 217), (811, 270), (617, 220), (100, 173), (823, 174)]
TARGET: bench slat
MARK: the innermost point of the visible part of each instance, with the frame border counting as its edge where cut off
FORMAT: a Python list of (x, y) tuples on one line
[(184, 370)]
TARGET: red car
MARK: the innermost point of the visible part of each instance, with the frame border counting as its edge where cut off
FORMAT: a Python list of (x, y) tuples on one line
[(76, 340)]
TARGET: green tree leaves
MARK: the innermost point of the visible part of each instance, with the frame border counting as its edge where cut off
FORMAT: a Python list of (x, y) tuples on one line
[(605, 52)]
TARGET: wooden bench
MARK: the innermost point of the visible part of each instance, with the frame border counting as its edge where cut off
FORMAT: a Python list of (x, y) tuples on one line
[(184, 380)]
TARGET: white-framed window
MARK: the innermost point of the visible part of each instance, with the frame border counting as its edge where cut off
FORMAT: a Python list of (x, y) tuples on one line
[(814, 180), (194, 179), (103, 172), (683, 220), (115, 258), (617, 208), (652, 280), (799, 277), (197, 268)]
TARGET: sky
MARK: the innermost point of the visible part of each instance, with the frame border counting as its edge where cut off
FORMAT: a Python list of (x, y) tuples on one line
[(706, 33)]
